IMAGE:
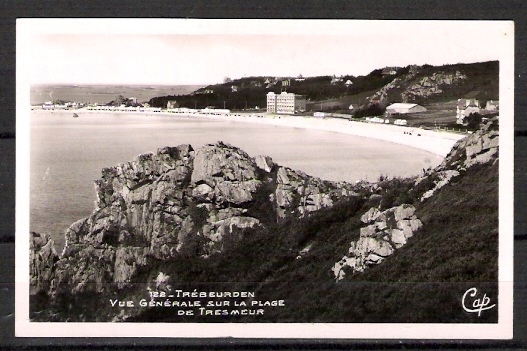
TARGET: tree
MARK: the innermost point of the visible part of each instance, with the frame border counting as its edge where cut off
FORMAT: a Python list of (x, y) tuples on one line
[(227, 80), (472, 121)]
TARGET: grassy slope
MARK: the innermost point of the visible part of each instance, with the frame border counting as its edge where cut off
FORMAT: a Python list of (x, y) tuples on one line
[(421, 282)]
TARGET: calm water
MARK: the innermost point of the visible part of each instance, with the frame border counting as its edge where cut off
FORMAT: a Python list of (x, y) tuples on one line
[(68, 153), (103, 94)]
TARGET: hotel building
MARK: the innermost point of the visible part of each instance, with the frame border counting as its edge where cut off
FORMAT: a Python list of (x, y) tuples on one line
[(285, 103)]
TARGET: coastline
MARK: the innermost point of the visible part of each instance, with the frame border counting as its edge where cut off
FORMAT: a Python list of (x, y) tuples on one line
[(436, 142)]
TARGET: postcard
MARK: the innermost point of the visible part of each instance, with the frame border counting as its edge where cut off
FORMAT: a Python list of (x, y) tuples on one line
[(311, 179)]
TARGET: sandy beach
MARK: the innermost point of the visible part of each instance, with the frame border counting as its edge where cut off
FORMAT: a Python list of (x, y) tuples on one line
[(437, 142)]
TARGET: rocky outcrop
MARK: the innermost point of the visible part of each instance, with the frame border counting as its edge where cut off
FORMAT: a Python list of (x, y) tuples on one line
[(431, 85), (412, 87), (480, 147), (42, 258), (165, 205), (444, 177), (385, 232), (298, 194)]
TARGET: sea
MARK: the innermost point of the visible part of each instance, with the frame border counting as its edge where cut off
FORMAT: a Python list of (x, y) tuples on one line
[(103, 94), (67, 155)]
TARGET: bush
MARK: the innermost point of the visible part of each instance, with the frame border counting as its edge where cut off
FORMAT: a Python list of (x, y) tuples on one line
[(473, 121)]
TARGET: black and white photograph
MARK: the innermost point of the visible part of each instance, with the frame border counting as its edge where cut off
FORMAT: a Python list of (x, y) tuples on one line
[(264, 178)]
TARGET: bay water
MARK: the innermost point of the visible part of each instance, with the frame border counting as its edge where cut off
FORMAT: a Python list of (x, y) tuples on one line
[(67, 155)]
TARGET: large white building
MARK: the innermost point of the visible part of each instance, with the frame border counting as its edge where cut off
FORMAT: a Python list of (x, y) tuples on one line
[(285, 103), (404, 108)]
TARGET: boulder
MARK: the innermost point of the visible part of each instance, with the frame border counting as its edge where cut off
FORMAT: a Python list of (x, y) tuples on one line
[(370, 215)]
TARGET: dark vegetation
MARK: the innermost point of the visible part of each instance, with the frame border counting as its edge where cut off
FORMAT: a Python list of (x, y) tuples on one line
[(481, 83), (121, 100), (251, 91), (422, 282), (323, 95), (370, 110), (473, 121)]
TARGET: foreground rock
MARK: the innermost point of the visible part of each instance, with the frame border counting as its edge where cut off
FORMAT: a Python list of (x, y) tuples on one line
[(42, 259), (480, 147), (171, 204), (386, 231)]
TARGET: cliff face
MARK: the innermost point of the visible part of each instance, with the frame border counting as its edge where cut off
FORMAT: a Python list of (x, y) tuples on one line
[(174, 203)]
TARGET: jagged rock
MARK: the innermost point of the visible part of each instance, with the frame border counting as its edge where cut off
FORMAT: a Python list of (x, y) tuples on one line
[(264, 162), (236, 192), (299, 193), (163, 282), (127, 261), (283, 176), (169, 204), (370, 215), (232, 227), (89, 270), (222, 161), (444, 177), (389, 231), (42, 262), (203, 192)]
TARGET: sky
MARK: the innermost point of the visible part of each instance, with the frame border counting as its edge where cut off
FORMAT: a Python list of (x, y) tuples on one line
[(180, 52)]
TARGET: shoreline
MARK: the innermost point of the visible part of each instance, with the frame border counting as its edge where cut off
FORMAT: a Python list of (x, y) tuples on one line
[(436, 142)]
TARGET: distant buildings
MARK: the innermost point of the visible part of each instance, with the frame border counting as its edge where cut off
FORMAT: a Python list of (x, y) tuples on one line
[(465, 107), (285, 103), (172, 104), (335, 79), (404, 108), (492, 105), (389, 71)]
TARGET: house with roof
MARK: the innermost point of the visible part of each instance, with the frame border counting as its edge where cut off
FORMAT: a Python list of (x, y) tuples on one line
[(172, 104), (335, 79), (348, 83), (492, 105), (389, 71), (465, 107), (403, 108)]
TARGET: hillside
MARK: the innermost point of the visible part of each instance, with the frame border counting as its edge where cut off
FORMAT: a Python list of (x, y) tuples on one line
[(217, 226), (420, 84)]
